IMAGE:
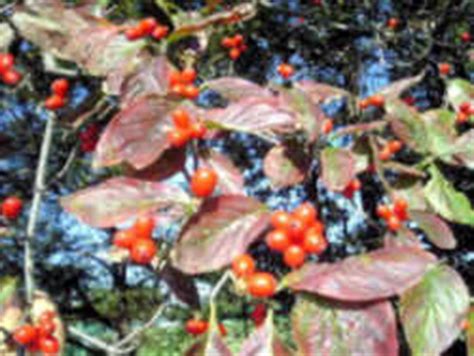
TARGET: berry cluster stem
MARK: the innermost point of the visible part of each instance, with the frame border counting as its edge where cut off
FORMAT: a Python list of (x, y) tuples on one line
[(38, 189)]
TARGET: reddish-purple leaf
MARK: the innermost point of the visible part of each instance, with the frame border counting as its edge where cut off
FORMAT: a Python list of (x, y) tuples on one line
[(432, 311), (171, 162), (222, 229), (230, 180), (136, 135), (361, 128), (323, 327), (338, 168), (284, 167), (411, 189), (118, 199), (403, 237), (264, 342), (395, 89), (234, 88), (182, 285), (379, 274), (259, 116), (320, 92), (436, 230), (150, 78)]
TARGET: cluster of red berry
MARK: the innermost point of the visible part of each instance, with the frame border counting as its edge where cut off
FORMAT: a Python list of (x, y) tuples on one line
[(12, 207), (89, 138), (198, 327), (391, 148), (182, 83), (8, 74), (353, 186), (395, 214), (39, 337), (235, 44), (204, 182), (376, 100), (258, 284), (59, 89), (296, 234), (444, 68), (138, 240), (147, 27), (185, 128), (464, 113), (286, 70)]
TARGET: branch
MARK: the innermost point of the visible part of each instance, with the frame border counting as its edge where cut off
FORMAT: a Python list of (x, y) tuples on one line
[(96, 343), (38, 191)]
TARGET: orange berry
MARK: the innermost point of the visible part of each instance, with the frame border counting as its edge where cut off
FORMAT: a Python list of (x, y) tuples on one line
[(143, 251), (143, 227), (281, 220), (395, 146), (243, 265), (181, 119), (54, 102), (188, 75), (234, 53), (147, 26), (286, 70), (261, 285), (384, 212), (327, 126), (306, 213), (444, 68), (198, 130), (160, 32), (385, 154), (393, 23), (314, 242), (227, 42), (277, 240), (294, 256), (196, 326), (203, 182), (124, 238), (25, 334), (296, 230), (178, 138), (134, 33), (364, 103), (377, 100), (60, 87), (394, 223), (190, 92), (11, 77)]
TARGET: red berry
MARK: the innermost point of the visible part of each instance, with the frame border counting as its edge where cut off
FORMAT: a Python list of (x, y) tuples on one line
[(277, 240), (188, 75), (281, 220), (49, 345), (60, 87), (227, 42), (198, 130), (243, 265), (466, 37), (88, 146), (160, 32), (259, 314), (11, 208), (294, 256), (190, 92), (384, 212), (196, 326), (222, 329), (34, 346), (364, 103), (296, 230), (175, 78), (134, 33), (203, 182), (143, 227), (400, 207), (394, 223), (465, 107), (147, 26), (181, 119), (238, 40), (54, 102), (314, 242), (11, 77), (286, 70), (178, 138), (444, 68), (46, 316), (393, 23), (462, 117), (327, 126), (25, 334), (46, 328), (261, 285), (143, 251), (306, 213), (234, 53), (385, 154), (6, 62), (395, 146), (124, 238), (317, 227), (377, 100), (409, 100)]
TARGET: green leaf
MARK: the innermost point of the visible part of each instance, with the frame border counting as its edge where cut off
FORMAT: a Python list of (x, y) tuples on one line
[(432, 311), (470, 333), (338, 168), (459, 91), (447, 201), (7, 288)]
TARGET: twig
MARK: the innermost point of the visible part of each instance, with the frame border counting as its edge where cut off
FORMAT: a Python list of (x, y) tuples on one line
[(70, 159), (38, 190), (96, 343), (217, 288)]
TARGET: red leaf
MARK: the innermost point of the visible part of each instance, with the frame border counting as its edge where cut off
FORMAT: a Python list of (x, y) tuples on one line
[(436, 230), (320, 92), (182, 285), (403, 237), (137, 134), (230, 180), (222, 229), (259, 116), (338, 168), (171, 162), (322, 327), (379, 274), (432, 311), (118, 199), (234, 88), (284, 168)]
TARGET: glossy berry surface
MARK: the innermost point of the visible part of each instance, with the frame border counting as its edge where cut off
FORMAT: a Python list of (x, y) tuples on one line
[(243, 265), (203, 182), (261, 285), (12, 207), (143, 251)]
